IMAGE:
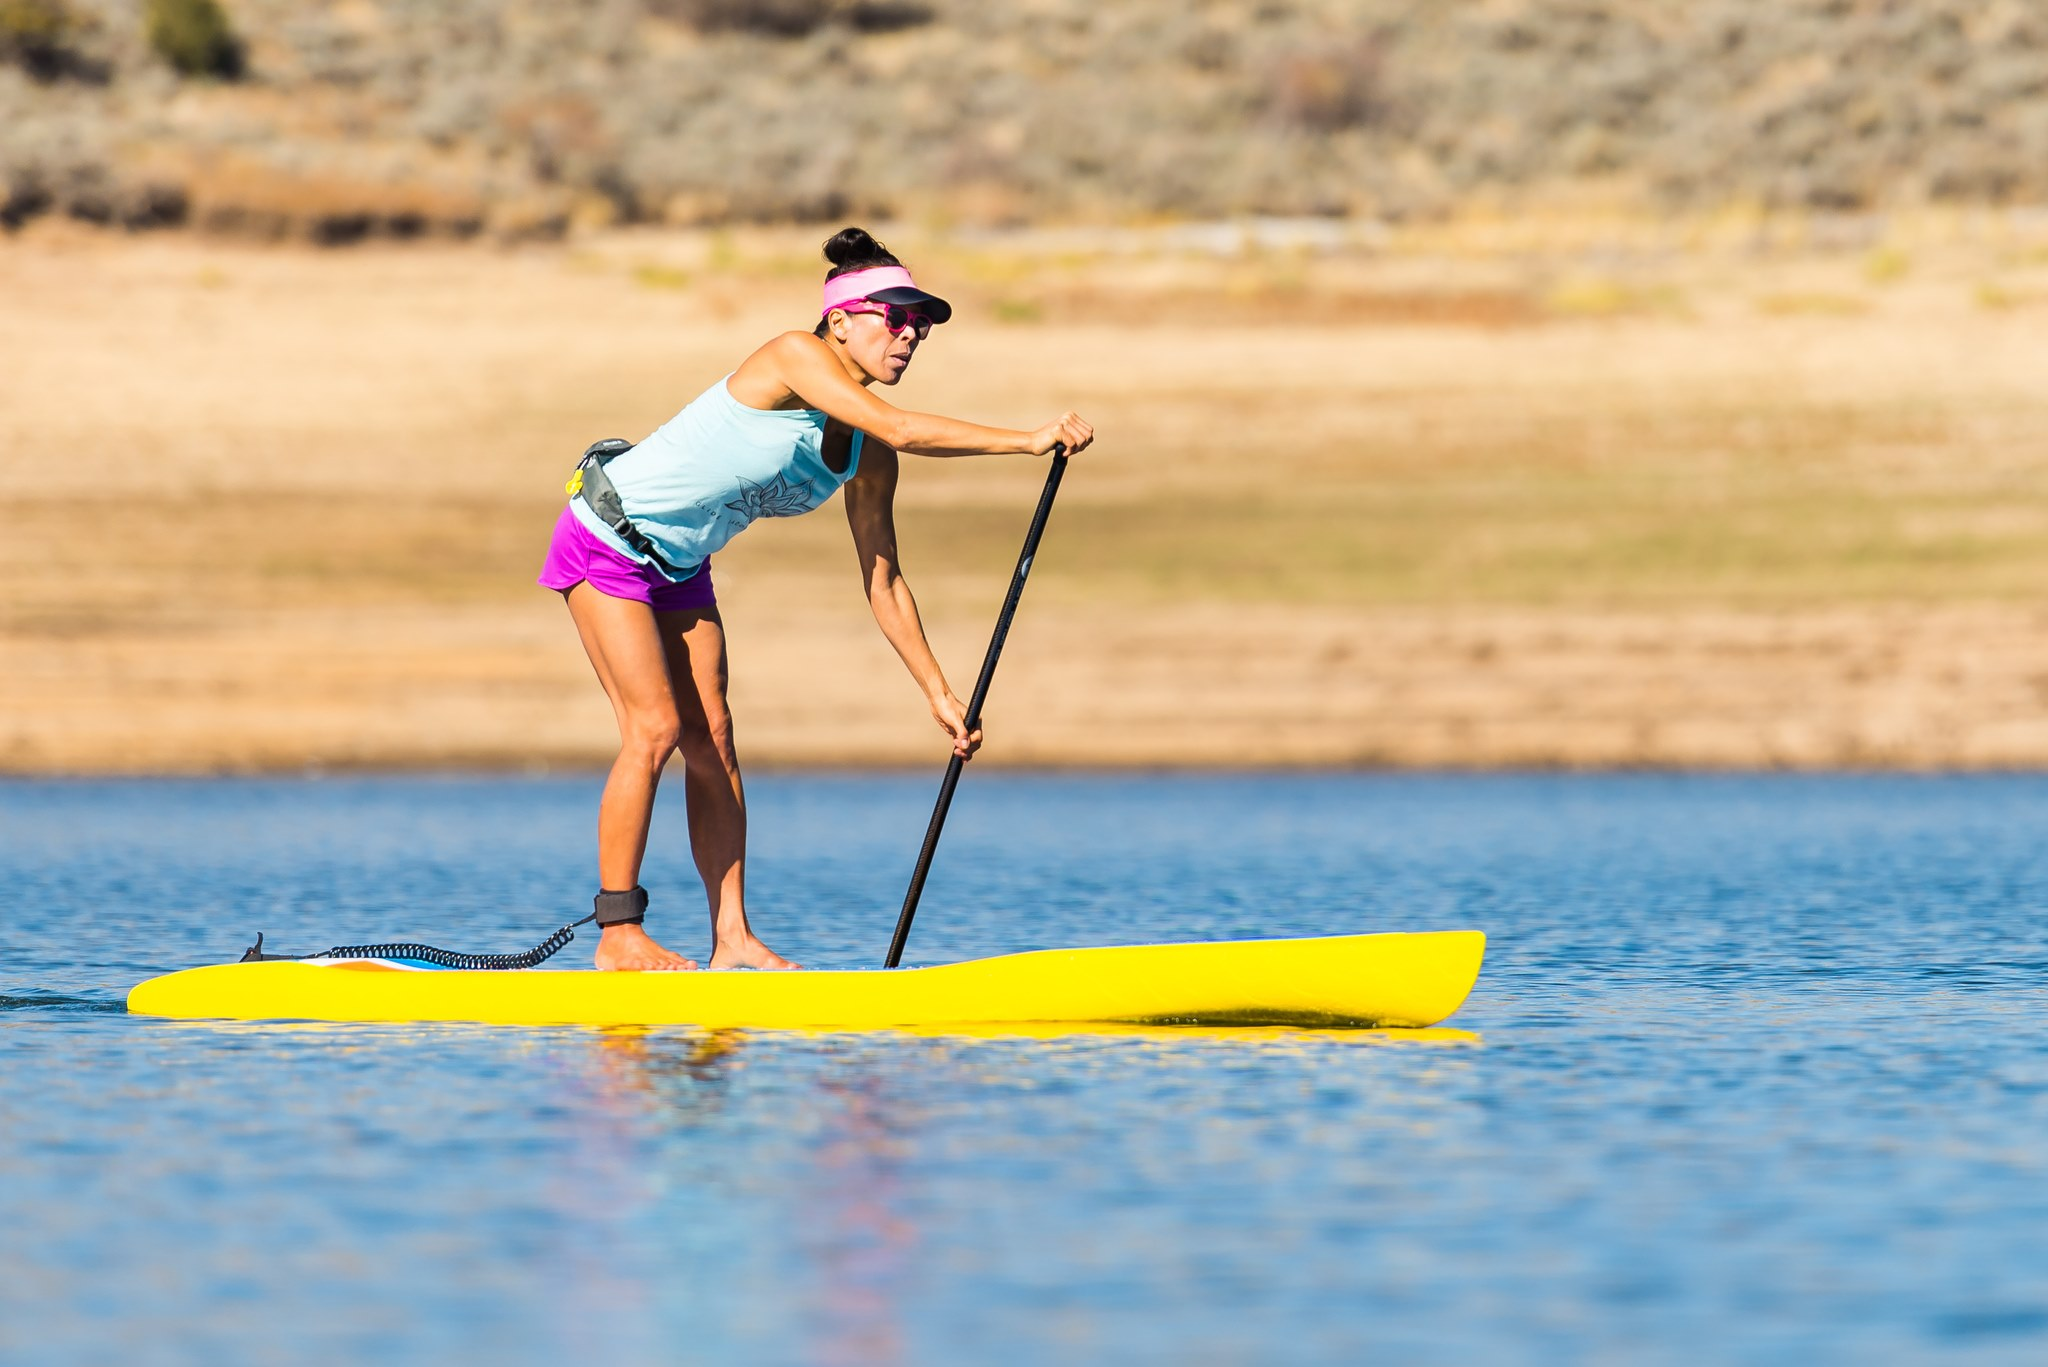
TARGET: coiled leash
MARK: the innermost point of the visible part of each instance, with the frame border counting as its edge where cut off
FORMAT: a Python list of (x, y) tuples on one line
[(428, 954), (613, 908)]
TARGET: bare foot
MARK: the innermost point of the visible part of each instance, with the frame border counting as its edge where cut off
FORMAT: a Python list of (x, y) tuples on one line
[(747, 953), (629, 949)]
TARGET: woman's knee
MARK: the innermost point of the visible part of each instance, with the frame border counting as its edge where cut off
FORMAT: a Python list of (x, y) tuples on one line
[(653, 735), (707, 743)]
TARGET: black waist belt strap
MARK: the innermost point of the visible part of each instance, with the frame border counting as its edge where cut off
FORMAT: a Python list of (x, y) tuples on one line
[(598, 492)]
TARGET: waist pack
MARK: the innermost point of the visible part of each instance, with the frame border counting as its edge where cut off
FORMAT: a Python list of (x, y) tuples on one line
[(591, 484)]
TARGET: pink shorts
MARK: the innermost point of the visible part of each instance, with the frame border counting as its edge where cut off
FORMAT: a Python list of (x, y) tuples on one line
[(575, 556)]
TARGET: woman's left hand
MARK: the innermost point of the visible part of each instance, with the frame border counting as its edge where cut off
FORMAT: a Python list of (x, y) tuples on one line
[(952, 719)]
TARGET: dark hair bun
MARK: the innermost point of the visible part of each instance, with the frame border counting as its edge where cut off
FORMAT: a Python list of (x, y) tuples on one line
[(855, 249)]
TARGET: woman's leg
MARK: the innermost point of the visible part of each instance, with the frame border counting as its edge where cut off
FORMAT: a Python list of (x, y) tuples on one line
[(695, 643), (620, 637)]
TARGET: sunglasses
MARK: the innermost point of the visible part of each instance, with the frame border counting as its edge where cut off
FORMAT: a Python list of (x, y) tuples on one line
[(895, 317)]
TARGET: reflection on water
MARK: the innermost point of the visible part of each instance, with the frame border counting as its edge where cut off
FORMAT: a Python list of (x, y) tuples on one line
[(859, 1251), (641, 1059), (1755, 1073)]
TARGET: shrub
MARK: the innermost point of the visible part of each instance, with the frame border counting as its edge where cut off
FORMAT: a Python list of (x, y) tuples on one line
[(23, 195), (774, 18), (794, 18), (37, 35), (1331, 89), (885, 16), (194, 36)]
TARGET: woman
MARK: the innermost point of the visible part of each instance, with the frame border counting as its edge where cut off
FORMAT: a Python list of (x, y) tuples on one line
[(777, 437)]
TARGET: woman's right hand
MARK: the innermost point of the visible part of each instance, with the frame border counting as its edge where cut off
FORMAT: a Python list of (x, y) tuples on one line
[(952, 719), (1067, 430)]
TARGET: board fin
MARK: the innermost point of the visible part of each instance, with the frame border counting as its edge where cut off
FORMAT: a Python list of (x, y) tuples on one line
[(254, 954)]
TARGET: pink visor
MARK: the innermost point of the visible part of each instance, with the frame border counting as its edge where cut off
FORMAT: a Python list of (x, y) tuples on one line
[(884, 285)]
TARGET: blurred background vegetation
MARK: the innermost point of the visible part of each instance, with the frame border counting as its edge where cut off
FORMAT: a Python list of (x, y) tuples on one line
[(338, 119)]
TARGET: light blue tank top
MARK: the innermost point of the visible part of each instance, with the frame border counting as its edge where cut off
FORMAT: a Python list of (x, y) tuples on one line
[(713, 468)]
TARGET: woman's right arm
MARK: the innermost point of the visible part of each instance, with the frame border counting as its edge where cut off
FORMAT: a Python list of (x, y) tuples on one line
[(808, 369)]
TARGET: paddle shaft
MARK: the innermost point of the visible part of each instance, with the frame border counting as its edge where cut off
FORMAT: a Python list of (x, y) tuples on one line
[(988, 673)]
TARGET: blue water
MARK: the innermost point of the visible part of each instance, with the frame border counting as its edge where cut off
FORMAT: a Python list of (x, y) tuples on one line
[(1760, 1076)]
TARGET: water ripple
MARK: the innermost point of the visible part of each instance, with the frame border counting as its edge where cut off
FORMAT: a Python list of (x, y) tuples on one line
[(52, 1001)]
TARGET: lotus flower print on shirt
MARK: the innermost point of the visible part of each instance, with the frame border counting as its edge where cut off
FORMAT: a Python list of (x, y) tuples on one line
[(779, 497)]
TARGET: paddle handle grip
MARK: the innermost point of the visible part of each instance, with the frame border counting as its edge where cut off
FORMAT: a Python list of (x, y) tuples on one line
[(988, 674)]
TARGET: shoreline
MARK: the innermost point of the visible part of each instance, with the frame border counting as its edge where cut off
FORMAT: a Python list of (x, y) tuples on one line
[(1694, 512), (595, 772)]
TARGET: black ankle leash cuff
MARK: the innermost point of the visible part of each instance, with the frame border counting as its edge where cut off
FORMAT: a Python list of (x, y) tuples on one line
[(621, 908)]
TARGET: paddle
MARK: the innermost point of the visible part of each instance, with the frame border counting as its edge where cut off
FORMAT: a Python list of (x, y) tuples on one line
[(988, 672)]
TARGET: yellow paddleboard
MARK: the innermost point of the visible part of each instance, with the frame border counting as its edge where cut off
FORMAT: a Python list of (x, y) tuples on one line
[(1378, 980)]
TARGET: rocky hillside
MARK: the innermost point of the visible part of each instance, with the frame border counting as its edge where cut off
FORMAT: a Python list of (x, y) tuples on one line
[(343, 118)]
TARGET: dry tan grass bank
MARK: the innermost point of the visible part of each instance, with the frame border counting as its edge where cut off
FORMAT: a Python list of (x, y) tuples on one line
[(1471, 501)]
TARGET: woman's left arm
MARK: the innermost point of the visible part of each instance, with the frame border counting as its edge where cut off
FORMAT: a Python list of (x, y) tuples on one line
[(871, 513)]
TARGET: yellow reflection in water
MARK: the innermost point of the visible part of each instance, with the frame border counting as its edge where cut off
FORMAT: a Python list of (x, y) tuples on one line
[(725, 1039)]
